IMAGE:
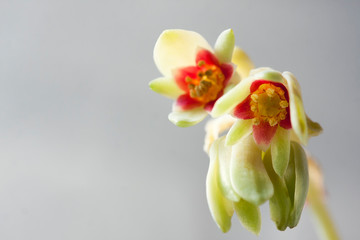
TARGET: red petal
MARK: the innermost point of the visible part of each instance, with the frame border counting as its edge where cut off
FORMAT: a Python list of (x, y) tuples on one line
[(286, 123), (180, 75), (263, 133), (243, 110), (227, 70), (207, 57), (186, 102)]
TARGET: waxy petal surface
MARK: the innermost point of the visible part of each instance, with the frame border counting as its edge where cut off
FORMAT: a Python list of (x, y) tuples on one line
[(279, 203), (187, 118), (242, 128), (297, 112), (176, 48), (224, 46), (221, 208), (224, 182), (249, 215), (297, 182), (166, 87), (248, 174), (280, 150), (232, 98)]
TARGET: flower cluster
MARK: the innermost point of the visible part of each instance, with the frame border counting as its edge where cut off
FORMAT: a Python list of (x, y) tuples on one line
[(261, 157)]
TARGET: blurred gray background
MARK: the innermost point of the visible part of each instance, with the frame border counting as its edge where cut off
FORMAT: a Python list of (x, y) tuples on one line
[(86, 150)]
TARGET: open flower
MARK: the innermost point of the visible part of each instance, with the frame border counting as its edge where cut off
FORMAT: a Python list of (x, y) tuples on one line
[(194, 74), (268, 104)]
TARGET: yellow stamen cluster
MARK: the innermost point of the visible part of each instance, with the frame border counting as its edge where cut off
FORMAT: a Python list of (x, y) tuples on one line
[(269, 104), (208, 83)]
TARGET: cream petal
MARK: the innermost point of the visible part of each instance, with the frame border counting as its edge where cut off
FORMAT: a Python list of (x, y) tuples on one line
[(248, 174), (221, 209), (242, 128), (280, 150), (224, 181), (187, 118), (268, 74), (249, 215), (166, 86), (243, 62), (177, 48), (297, 112), (224, 46)]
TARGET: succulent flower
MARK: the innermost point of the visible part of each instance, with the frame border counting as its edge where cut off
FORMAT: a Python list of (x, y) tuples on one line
[(194, 74), (241, 177), (268, 104)]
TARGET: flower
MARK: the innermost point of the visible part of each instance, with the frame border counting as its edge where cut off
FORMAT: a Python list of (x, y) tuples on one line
[(241, 177), (194, 74), (268, 104)]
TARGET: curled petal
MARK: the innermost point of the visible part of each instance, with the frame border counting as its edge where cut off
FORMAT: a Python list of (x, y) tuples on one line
[(280, 150), (268, 74), (297, 182), (279, 203), (224, 46), (176, 48), (221, 208), (224, 181), (243, 62), (297, 112), (248, 174), (187, 118), (166, 87)]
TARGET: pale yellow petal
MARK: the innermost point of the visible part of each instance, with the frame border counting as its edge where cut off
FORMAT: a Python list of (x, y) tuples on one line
[(243, 62), (177, 48)]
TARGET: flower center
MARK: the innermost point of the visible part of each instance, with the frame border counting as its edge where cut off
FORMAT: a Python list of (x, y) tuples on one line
[(207, 84), (269, 104)]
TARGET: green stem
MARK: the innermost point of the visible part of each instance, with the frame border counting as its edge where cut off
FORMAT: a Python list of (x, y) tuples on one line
[(324, 223)]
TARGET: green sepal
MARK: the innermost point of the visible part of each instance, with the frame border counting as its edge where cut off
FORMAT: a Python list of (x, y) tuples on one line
[(297, 181), (240, 129), (187, 118), (224, 46), (279, 203), (166, 87), (314, 128), (221, 208), (248, 174), (249, 215), (280, 150)]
